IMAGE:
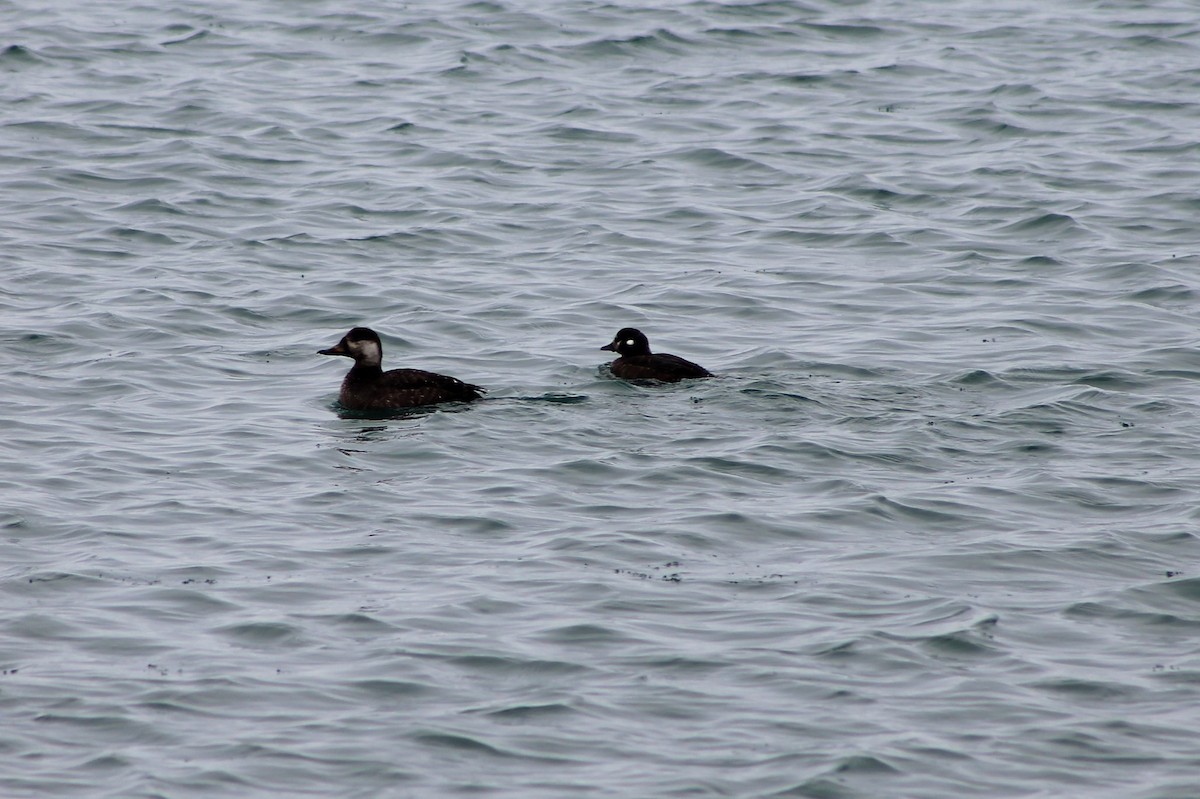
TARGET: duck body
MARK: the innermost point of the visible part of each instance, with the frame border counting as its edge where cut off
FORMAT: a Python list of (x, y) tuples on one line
[(367, 387), (637, 362)]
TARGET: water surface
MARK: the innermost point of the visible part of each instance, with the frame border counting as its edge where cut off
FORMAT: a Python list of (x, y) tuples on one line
[(932, 532)]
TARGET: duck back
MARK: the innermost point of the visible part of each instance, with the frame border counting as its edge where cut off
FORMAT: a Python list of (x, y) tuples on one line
[(657, 366), (367, 388)]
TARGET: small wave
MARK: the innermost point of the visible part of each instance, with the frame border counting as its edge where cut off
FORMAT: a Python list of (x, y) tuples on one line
[(15, 56)]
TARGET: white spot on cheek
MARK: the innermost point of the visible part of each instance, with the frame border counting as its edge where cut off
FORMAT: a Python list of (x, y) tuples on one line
[(369, 349), (629, 342)]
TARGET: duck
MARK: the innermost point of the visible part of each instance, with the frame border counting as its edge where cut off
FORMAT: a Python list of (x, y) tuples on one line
[(367, 387), (638, 363)]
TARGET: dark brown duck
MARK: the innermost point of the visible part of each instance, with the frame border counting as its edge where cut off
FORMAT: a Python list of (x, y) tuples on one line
[(638, 363), (368, 388)]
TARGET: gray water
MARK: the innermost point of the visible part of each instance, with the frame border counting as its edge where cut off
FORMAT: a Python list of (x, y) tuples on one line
[(932, 532)]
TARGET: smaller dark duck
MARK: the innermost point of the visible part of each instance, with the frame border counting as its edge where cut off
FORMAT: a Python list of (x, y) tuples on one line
[(368, 388), (638, 363)]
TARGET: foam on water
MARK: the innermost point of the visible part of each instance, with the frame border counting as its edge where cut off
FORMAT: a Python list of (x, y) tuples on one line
[(931, 532)]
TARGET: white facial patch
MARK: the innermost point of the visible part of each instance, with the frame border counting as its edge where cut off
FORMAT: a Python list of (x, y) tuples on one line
[(369, 350), (628, 342)]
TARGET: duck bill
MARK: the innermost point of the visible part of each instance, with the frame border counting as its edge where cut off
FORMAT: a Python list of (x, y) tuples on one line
[(611, 346), (336, 349)]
